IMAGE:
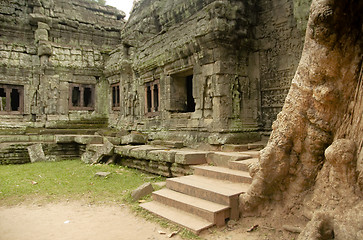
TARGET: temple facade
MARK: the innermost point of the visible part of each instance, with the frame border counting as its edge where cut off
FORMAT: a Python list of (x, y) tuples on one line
[(196, 71)]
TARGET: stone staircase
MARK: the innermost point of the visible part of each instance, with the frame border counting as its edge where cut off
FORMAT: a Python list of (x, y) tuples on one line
[(207, 198)]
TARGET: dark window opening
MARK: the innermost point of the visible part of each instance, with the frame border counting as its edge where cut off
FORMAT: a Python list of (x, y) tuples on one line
[(115, 96), (148, 99), (87, 97), (152, 104), (76, 97), (15, 100), (156, 97), (181, 97), (11, 98), (190, 104), (81, 97)]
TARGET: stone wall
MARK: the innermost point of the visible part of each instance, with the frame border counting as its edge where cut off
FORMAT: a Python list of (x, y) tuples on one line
[(279, 45), (241, 56), (202, 70), (47, 48), (17, 153)]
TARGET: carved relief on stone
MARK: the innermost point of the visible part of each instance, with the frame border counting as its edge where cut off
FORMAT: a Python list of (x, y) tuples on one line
[(135, 105), (236, 98), (208, 97), (129, 103)]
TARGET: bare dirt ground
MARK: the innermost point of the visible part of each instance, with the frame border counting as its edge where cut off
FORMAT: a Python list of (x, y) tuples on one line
[(78, 221)]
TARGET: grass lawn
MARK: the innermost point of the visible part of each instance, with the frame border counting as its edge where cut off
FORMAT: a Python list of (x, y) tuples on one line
[(73, 180), (47, 182)]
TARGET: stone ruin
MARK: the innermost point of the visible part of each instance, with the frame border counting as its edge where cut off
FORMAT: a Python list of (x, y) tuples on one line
[(205, 71), (197, 72)]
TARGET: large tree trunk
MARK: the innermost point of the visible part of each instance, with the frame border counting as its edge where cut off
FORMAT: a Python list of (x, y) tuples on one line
[(324, 108)]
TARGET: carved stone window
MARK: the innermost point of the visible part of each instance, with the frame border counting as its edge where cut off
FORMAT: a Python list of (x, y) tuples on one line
[(181, 93), (152, 98), (115, 90), (81, 97), (11, 99)]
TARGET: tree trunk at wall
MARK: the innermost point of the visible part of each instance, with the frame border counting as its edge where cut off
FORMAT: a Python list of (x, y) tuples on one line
[(313, 163)]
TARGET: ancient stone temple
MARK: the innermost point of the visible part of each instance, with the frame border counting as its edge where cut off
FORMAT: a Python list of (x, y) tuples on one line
[(190, 82), (194, 71)]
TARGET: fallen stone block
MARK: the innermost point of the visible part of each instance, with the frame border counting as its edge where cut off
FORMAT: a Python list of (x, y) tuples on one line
[(114, 140), (106, 150), (142, 191), (87, 156), (102, 174), (36, 153)]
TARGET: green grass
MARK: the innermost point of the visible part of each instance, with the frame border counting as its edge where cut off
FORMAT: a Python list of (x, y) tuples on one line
[(73, 180)]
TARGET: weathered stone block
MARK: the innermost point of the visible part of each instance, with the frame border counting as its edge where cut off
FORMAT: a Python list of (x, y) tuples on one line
[(134, 139), (162, 155), (36, 153), (114, 140), (45, 49), (124, 150), (87, 156), (190, 157), (43, 26), (141, 152), (41, 35), (88, 139), (222, 158), (142, 191), (65, 138)]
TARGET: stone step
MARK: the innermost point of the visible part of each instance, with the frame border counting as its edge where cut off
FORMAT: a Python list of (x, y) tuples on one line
[(252, 153), (223, 173), (187, 220), (221, 159), (243, 165), (190, 157), (218, 191), (210, 211)]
